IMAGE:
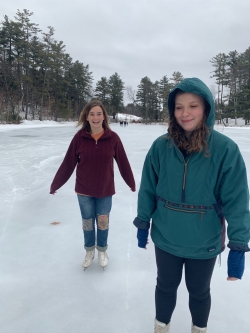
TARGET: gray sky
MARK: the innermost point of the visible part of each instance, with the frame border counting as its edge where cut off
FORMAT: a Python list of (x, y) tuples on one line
[(138, 38)]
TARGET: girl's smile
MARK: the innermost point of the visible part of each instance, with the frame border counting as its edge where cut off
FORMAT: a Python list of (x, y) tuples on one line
[(189, 111), (95, 119)]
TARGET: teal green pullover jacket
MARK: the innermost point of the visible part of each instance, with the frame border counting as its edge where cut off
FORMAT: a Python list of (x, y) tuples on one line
[(189, 199)]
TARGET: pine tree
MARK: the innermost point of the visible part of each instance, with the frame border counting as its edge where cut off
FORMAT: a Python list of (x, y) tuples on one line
[(29, 30), (102, 91), (10, 35), (177, 77), (79, 81), (155, 102), (244, 94), (233, 82), (45, 65), (219, 62), (143, 96), (116, 87), (164, 88)]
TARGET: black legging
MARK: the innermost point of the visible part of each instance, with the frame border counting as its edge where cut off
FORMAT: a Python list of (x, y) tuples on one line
[(198, 273)]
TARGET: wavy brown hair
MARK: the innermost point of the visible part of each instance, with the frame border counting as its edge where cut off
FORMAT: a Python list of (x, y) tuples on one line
[(197, 141), (82, 121)]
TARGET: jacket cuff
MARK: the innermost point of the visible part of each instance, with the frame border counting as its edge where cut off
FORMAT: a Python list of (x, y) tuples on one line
[(140, 224), (238, 247)]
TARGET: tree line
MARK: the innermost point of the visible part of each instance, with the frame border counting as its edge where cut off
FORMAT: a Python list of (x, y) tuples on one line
[(36, 73), (232, 75), (148, 102), (41, 80)]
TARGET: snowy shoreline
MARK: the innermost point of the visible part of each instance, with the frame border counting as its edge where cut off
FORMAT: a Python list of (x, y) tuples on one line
[(26, 124)]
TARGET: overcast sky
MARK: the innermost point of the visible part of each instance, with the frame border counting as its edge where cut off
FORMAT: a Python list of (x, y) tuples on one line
[(138, 38)]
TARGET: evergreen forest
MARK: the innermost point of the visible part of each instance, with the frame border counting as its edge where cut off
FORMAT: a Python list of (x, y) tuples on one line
[(40, 80)]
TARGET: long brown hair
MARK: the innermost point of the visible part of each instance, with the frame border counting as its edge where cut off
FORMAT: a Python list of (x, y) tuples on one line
[(82, 121), (198, 138)]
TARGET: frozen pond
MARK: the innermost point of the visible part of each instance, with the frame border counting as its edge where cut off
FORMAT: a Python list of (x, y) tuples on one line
[(43, 287)]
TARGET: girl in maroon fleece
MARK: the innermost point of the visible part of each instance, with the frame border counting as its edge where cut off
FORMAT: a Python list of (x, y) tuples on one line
[(93, 150)]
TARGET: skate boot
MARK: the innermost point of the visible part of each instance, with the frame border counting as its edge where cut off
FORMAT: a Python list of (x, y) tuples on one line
[(196, 329), (88, 258), (161, 327), (103, 258)]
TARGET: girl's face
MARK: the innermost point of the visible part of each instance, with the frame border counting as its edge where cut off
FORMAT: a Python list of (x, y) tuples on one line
[(95, 119), (189, 111)]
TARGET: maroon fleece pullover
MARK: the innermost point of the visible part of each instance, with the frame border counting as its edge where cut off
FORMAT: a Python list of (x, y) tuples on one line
[(95, 167)]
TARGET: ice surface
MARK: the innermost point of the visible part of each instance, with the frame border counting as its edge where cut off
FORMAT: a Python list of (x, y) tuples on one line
[(43, 288)]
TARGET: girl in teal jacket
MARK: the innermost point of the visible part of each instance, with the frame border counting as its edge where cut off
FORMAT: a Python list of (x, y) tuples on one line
[(193, 179)]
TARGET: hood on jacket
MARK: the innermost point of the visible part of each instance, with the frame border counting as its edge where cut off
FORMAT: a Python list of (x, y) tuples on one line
[(195, 86)]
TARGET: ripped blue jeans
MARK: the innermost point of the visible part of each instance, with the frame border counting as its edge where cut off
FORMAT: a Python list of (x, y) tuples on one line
[(95, 211)]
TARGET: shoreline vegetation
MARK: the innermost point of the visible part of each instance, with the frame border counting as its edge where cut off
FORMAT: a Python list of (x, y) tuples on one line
[(40, 80)]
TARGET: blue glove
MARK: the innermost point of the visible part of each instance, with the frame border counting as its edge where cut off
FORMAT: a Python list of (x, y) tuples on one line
[(142, 236), (236, 264)]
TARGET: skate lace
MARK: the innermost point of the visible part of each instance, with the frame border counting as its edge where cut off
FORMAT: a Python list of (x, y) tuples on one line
[(103, 257), (89, 255)]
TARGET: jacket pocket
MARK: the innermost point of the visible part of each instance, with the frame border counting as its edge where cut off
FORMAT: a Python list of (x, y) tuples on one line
[(188, 225), (191, 211)]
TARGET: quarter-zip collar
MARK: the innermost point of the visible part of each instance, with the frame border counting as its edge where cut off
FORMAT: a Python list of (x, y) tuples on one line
[(185, 162), (106, 134)]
